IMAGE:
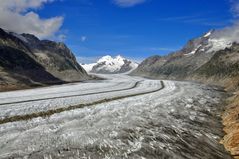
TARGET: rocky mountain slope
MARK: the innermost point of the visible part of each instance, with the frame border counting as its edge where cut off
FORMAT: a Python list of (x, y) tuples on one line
[(27, 61), (110, 65), (223, 67), (206, 58)]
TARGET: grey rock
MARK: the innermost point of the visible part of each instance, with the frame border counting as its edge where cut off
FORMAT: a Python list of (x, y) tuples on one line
[(27, 61)]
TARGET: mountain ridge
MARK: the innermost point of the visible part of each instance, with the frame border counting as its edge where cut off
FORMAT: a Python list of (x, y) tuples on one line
[(194, 61), (27, 61), (111, 65)]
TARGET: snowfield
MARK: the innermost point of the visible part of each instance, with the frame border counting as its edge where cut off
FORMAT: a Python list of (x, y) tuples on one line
[(173, 120)]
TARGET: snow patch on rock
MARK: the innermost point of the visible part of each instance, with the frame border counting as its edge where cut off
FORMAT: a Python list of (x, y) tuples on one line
[(218, 44)]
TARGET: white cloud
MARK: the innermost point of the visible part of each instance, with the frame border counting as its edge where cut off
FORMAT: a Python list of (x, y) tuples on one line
[(15, 16), (128, 3), (230, 33), (83, 38)]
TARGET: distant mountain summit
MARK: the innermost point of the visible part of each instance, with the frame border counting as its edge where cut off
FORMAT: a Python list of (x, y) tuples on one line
[(111, 65), (26, 61)]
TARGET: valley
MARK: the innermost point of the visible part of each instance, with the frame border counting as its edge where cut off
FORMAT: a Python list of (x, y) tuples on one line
[(120, 117)]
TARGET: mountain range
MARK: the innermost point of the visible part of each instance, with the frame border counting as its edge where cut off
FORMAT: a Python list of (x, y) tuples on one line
[(208, 58), (26, 61), (111, 65)]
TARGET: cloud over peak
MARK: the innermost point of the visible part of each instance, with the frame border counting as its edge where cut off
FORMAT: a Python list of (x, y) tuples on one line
[(15, 16), (128, 3), (230, 33)]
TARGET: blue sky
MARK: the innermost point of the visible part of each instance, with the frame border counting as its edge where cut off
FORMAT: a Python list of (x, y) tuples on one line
[(132, 28)]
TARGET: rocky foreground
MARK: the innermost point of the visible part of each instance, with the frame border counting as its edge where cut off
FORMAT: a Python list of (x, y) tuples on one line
[(231, 122)]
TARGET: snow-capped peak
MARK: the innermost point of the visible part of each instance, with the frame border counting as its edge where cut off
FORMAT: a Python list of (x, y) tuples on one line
[(210, 42), (216, 42), (105, 58), (120, 58), (208, 34), (109, 64), (109, 58)]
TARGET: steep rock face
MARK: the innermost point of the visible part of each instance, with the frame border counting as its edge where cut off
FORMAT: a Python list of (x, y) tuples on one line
[(223, 67), (185, 62), (27, 61), (56, 58), (21, 66), (110, 65), (17, 64), (150, 66), (10, 40)]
